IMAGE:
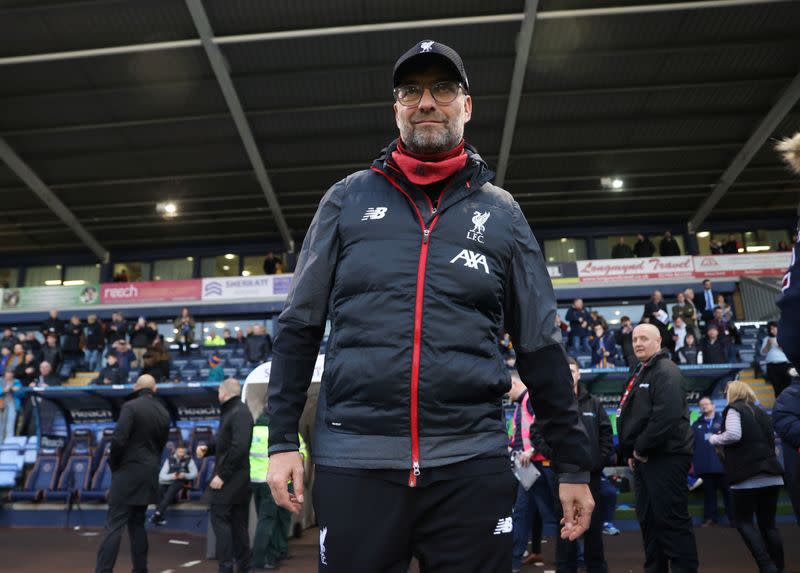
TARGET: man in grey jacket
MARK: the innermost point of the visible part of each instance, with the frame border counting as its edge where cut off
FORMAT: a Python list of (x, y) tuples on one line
[(421, 264)]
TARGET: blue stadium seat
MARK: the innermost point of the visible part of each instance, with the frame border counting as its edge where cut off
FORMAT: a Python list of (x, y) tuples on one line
[(200, 435), (204, 475), (189, 375), (238, 351), (236, 361), (42, 477), (180, 363), (74, 478), (100, 484), (103, 444), (11, 454), (231, 372), (225, 351), (8, 476), (19, 441), (204, 372)]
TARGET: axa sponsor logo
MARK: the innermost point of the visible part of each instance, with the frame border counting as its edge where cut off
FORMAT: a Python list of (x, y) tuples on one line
[(374, 213), (478, 226), (472, 260)]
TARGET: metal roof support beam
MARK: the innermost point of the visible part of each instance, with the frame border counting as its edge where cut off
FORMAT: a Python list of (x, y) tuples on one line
[(524, 43), (774, 116), (220, 67), (381, 27), (24, 172)]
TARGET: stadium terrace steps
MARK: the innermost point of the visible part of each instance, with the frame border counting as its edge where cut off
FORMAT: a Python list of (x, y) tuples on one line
[(81, 379), (764, 391)]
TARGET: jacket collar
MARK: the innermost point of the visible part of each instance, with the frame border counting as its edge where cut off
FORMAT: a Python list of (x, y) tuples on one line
[(660, 355), (139, 394), (230, 404)]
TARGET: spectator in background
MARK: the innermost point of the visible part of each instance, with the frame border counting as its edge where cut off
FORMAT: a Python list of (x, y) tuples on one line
[(713, 350), (184, 325), (46, 377), (8, 339), (668, 247), (73, 342), (604, 351), (270, 262), (125, 356), (598, 318), (214, 339), (656, 308), (12, 404), (689, 352), (727, 331), (157, 362), (643, 247), (53, 324), (624, 340), (258, 347), (216, 372), (686, 311), (731, 246), (111, 373), (579, 320), (5, 356), (786, 418), (679, 331), (52, 352), (30, 342), (778, 365), (117, 329), (16, 359), (715, 247), (621, 250), (706, 301), (783, 247), (240, 338), (707, 464), (755, 475), (561, 325), (27, 370), (727, 310), (95, 342), (142, 337), (178, 472), (227, 337)]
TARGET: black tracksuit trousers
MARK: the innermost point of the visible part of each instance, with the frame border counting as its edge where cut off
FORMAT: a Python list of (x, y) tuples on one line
[(374, 525), (662, 507)]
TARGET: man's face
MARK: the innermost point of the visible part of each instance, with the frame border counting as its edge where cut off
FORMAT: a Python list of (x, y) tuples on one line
[(706, 406), (180, 452), (432, 127), (689, 293), (712, 334), (576, 377), (773, 330), (45, 368), (51, 340), (667, 235), (646, 341), (678, 322), (598, 330), (7, 333), (18, 349), (578, 303), (706, 284), (53, 314), (621, 241), (111, 359), (657, 296), (689, 341), (718, 313)]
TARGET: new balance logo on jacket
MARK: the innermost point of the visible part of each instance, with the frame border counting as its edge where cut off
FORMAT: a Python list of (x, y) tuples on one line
[(374, 213), (504, 525)]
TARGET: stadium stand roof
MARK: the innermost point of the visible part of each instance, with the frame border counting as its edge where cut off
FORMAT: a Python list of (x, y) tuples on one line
[(114, 105)]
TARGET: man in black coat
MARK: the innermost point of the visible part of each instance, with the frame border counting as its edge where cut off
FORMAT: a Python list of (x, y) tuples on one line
[(230, 487), (139, 438), (656, 441)]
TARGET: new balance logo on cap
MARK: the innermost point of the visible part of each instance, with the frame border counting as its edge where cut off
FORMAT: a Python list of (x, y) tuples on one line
[(504, 525), (472, 260), (374, 213)]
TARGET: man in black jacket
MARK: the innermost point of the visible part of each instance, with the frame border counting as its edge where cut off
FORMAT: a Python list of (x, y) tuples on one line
[(111, 373), (230, 486), (656, 441), (258, 346), (139, 438), (421, 263)]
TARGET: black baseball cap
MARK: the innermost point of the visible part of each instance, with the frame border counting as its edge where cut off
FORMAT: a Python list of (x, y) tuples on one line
[(430, 50)]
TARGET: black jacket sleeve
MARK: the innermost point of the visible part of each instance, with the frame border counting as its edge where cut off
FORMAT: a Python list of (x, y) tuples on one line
[(538, 442), (789, 303), (238, 449), (606, 431), (530, 313), (668, 405), (120, 438), (301, 325)]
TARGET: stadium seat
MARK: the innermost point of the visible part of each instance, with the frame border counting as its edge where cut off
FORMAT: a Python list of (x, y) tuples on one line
[(180, 363), (225, 352), (189, 375), (11, 454), (102, 447), (42, 477), (200, 435), (74, 478), (8, 476), (204, 372), (204, 475), (19, 441), (231, 372), (80, 442), (100, 484), (236, 361)]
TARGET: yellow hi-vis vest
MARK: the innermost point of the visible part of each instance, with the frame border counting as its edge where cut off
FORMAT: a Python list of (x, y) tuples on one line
[(259, 456)]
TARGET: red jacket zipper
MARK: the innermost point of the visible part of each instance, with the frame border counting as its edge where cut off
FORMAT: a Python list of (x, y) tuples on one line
[(415, 355)]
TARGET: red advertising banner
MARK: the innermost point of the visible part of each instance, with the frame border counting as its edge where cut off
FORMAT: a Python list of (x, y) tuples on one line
[(156, 291), (616, 270), (750, 264)]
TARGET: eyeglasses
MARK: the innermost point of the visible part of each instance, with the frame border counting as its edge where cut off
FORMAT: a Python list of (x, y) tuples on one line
[(410, 95)]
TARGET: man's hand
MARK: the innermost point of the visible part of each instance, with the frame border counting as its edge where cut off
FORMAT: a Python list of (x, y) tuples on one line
[(631, 463), (284, 467), (201, 451), (216, 483), (578, 504)]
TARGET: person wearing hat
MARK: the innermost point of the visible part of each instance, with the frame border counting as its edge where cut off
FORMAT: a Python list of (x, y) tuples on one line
[(422, 264), (216, 372)]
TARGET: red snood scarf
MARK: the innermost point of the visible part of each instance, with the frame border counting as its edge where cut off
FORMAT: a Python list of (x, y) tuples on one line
[(429, 169)]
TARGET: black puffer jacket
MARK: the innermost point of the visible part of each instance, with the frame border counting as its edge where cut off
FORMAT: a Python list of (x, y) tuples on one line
[(655, 418), (418, 295)]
